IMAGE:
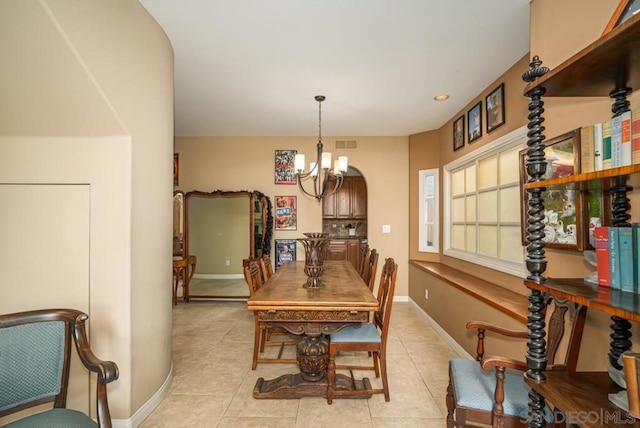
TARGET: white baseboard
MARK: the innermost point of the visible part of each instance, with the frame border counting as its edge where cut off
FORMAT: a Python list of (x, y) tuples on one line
[(143, 412), (218, 276), (450, 340)]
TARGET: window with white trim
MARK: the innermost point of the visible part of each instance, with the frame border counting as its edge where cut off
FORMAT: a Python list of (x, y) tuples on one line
[(482, 205), (428, 210)]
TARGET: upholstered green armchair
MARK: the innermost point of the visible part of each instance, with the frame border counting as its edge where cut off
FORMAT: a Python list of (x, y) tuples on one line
[(35, 352)]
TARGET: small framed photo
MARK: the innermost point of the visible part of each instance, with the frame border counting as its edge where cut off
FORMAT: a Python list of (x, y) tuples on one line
[(566, 211), (474, 122), (494, 104), (284, 167), (625, 10), (458, 133), (285, 251), (562, 154), (286, 215)]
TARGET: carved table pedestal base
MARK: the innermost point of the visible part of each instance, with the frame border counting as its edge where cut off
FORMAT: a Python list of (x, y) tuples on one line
[(294, 386)]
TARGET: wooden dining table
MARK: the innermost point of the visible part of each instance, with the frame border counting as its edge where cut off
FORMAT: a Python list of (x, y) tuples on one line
[(314, 314)]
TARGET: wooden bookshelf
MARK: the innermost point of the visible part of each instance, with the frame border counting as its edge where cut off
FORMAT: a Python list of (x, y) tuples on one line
[(589, 180), (618, 303), (608, 67), (583, 396), (610, 62)]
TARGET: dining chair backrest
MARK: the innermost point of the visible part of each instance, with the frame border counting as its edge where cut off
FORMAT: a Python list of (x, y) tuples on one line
[(267, 267), (253, 276), (386, 289), (369, 273), (364, 257)]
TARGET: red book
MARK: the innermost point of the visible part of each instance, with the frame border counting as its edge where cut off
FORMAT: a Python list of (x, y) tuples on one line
[(635, 135), (602, 255)]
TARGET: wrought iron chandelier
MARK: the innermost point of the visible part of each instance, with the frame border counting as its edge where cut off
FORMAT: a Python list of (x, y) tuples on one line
[(322, 169)]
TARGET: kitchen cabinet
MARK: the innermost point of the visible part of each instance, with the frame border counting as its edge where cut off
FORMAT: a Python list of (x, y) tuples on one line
[(607, 67), (345, 249), (349, 202)]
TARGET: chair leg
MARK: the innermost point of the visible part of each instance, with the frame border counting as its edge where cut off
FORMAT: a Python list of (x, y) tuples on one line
[(383, 369), (451, 405), (263, 338), (376, 363), (331, 375), (256, 343)]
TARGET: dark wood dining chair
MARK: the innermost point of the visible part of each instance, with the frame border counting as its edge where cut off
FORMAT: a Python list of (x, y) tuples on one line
[(370, 268), (262, 335), (364, 257), (491, 390), (369, 337), (266, 266)]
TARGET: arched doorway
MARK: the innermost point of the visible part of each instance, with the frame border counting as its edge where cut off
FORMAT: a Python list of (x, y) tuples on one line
[(344, 218)]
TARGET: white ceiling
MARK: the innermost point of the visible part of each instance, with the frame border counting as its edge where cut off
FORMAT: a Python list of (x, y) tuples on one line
[(253, 67)]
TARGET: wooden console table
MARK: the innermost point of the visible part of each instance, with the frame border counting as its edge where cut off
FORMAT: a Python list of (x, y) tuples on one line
[(313, 312)]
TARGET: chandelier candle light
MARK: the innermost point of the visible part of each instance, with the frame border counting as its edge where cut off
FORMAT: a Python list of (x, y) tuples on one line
[(321, 170)]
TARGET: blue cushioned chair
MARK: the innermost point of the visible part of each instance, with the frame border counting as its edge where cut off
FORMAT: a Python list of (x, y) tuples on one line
[(491, 390), (35, 352), (370, 337)]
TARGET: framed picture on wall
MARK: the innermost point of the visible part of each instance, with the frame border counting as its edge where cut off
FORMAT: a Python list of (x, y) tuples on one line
[(625, 10), (494, 103), (474, 122), (566, 212), (285, 251), (176, 168), (458, 133), (286, 215), (284, 167)]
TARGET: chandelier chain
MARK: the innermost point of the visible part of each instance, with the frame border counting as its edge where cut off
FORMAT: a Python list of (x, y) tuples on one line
[(320, 121)]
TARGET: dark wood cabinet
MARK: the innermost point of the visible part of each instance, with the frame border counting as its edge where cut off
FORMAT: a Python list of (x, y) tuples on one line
[(353, 252), (345, 249), (350, 201), (607, 67), (342, 200), (359, 198), (337, 250)]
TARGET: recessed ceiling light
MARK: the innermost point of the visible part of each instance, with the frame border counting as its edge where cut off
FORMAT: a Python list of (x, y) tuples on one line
[(441, 97)]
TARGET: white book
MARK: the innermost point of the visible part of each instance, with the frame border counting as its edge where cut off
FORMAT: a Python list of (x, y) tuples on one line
[(597, 151), (587, 159), (616, 141)]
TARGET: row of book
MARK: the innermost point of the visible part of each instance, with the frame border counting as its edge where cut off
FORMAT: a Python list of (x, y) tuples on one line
[(617, 250), (610, 144)]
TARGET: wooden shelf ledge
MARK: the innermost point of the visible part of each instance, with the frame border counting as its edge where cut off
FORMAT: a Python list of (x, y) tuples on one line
[(506, 301)]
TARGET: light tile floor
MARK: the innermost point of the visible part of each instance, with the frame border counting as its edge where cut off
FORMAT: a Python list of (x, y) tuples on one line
[(213, 381)]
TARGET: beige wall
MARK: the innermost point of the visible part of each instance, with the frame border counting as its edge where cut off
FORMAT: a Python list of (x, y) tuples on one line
[(423, 146), (218, 163), (554, 39), (88, 100)]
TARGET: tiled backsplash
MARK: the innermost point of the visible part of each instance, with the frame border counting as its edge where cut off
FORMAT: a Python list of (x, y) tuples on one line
[(340, 228)]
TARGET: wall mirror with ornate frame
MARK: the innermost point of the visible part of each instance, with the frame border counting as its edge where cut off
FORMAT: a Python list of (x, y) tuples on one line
[(178, 223), (222, 228)]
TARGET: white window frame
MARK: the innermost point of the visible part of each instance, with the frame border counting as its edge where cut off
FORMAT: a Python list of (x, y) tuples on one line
[(423, 245), (513, 139)]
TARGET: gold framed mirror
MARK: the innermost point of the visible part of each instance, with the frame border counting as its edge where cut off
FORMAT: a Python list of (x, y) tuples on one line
[(223, 228), (178, 223)]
